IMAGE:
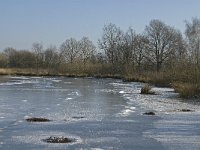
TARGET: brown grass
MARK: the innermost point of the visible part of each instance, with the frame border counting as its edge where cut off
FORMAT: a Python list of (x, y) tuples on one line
[(187, 90), (147, 89)]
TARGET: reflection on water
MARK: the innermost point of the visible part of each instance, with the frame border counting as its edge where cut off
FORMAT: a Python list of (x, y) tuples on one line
[(99, 113)]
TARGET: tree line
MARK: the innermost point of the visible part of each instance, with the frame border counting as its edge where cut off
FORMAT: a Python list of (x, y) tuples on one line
[(71, 51), (160, 48)]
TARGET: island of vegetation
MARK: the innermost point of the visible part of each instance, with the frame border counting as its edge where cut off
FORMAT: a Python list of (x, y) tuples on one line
[(161, 55)]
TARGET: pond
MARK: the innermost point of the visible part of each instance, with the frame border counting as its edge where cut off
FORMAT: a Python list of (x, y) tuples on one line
[(95, 114)]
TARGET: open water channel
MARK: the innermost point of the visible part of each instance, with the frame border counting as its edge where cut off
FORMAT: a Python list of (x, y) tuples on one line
[(97, 113)]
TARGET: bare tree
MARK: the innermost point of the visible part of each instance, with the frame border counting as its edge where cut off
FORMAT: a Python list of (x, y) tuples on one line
[(140, 45), (162, 41), (11, 55), (52, 59), (20, 59), (38, 49), (109, 42), (3, 60), (70, 49), (193, 36), (125, 47), (87, 49)]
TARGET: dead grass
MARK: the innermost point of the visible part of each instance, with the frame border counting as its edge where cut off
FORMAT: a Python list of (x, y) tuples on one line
[(147, 89), (187, 90)]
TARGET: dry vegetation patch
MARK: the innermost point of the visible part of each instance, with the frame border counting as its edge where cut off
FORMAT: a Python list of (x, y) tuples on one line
[(147, 89), (37, 120)]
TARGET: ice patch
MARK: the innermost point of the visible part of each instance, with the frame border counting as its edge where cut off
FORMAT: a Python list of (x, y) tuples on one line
[(118, 84), (26, 117), (102, 139), (10, 83), (75, 93), (67, 82), (126, 112), (68, 98), (112, 91), (37, 137), (21, 77), (56, 81), (19, 82), (121, 92), (132, 108)]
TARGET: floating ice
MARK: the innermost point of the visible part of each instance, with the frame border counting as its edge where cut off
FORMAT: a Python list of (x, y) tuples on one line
[(121, 92), (126, 112), (19, 77), (56, 80)]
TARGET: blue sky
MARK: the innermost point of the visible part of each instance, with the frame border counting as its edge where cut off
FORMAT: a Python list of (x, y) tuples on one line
[(23, 22)]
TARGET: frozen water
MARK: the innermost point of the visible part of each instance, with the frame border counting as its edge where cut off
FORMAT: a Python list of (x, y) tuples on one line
[(98, 113)]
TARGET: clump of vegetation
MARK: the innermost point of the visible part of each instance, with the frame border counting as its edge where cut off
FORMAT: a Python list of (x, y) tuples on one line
[(37, 120), (151, 113), (147, 89), (187, 90), (53, 139), (78, 117), (186, 110)]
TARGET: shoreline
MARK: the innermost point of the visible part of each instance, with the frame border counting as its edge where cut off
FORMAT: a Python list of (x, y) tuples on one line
[(185, 90)]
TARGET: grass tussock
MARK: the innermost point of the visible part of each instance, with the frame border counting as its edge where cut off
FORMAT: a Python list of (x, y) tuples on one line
[(147, 89), (187, 90), (151, 113), (37, 120)]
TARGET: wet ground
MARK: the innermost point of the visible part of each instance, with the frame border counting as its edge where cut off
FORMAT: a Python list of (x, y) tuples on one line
[(96, 113)]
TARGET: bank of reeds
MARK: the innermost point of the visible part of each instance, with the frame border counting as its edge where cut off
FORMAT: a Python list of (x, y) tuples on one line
[(187, 90)]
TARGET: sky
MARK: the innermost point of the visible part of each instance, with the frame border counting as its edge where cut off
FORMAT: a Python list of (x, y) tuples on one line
[(51, 22)]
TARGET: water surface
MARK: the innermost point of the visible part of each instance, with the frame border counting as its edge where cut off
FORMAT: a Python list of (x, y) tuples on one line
[(98, 113)]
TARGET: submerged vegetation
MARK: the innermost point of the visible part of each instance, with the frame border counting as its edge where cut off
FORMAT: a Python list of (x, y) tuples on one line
[(161, 55)]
